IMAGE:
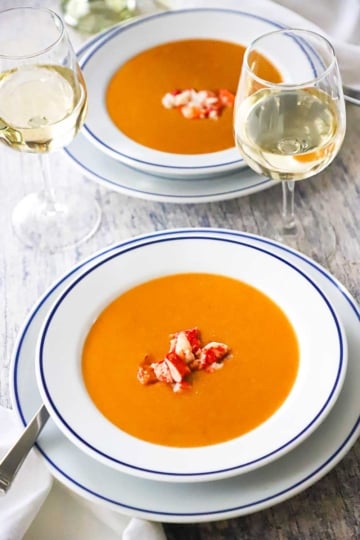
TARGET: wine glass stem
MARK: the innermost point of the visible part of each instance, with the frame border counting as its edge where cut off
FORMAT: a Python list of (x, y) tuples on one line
[(48, 191), (288, 214)]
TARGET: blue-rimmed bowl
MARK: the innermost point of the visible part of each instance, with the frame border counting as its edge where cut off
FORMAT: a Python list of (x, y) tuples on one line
[(322, 362)]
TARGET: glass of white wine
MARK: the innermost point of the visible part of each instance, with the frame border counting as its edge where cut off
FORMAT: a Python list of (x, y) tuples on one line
[(43, 103), (291, 128)]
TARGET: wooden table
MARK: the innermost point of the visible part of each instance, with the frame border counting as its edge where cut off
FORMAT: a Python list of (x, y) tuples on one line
[(331, 508)]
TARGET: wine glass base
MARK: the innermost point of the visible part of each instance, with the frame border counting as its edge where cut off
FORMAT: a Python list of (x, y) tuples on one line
[(47, 225), (316, 240)]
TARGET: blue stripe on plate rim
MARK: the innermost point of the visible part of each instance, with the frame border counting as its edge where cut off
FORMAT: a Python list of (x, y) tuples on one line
[(104, 38), (172, 474), (294, 488), (267, 183)]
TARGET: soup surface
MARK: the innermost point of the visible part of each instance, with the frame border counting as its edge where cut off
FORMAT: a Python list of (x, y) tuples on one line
[(134, 94), (252, 384)]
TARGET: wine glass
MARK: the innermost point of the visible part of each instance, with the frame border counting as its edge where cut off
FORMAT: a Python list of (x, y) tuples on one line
[(43, 102), (290, 127)]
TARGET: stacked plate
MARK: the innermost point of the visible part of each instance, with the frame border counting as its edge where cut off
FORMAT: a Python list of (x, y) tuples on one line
[(296, 445), (106, 154)]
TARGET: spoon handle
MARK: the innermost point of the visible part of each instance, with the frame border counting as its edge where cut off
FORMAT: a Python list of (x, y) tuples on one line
[(352, 95), (13, 459)]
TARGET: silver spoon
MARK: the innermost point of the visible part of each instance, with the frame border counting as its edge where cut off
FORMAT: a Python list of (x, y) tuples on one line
[(14, 458)]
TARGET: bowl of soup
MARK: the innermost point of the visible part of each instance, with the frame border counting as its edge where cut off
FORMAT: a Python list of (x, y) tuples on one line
[(190, 357), (161, 89)]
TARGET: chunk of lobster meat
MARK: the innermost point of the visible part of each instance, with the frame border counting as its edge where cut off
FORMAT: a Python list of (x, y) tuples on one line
[(162, 372), (213, 114), (168, 100), (193, 336), (211, 353), (145, 373), (200, 104), (226, 97), (186, 344), (185, 355), (177, 366), (182, 98), (191, 112), (176, 98), (215, 366)]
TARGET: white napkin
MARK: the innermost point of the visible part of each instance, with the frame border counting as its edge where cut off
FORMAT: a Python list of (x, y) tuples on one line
[(339, 20), (31, 486), (37, 507)]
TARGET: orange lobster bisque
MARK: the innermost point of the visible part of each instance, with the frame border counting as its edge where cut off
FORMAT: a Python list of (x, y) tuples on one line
[(135, 92), (251, 385)]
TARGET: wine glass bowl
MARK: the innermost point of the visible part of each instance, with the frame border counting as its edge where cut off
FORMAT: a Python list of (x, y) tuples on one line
[(62, 109), (43, 103), (291, 128)]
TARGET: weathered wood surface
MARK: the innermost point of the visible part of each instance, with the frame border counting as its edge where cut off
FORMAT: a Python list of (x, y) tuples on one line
[(331, 508)]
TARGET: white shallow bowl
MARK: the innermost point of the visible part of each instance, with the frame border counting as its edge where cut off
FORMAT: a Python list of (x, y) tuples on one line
[(193, 502), (322, 366), (102, 168), (109, 52)]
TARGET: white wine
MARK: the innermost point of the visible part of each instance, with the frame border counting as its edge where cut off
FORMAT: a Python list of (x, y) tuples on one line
[(42, 107), (287, 134), (91, 16)]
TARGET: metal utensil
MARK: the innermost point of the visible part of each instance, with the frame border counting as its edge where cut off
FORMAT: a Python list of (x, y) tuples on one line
[(14, 458), (352, 95)]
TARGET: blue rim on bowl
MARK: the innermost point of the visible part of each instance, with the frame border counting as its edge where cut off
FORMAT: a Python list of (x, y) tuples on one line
[(112, 49), (320, 333)]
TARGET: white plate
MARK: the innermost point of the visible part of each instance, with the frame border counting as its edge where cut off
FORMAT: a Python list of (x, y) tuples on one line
[(196, 502), (111, 51), (322, 360), (109, 172)]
